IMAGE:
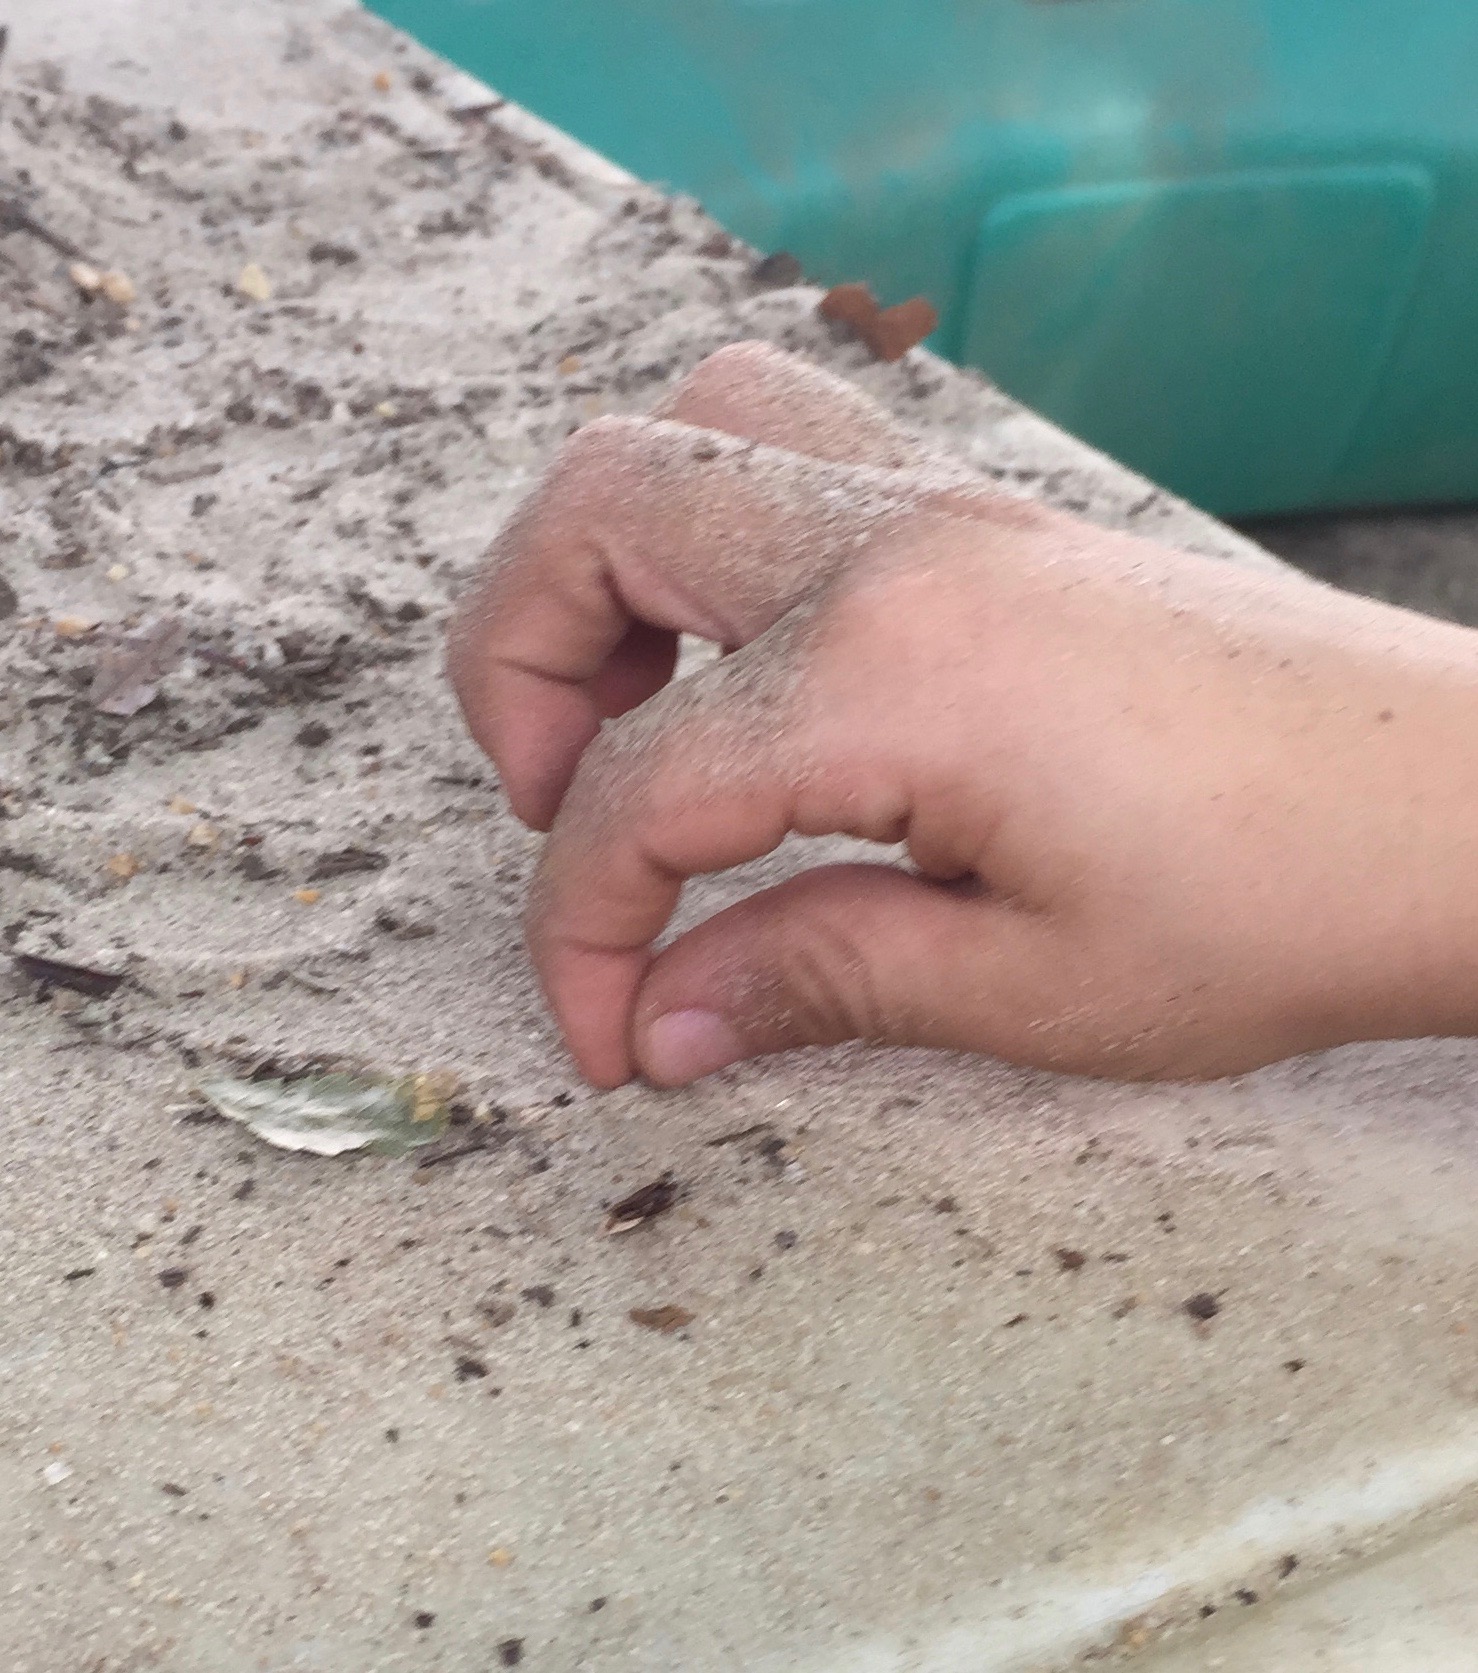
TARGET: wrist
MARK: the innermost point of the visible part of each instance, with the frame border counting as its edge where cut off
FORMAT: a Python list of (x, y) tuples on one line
[(1431, 819)]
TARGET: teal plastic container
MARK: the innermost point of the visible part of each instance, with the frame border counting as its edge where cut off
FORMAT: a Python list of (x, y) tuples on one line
[(1231, 242)]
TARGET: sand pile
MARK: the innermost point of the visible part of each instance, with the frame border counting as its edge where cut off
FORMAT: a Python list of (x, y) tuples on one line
[(328, 325)]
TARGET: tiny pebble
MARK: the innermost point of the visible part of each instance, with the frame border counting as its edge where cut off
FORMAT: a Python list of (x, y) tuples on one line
[(254, 283), (117, 287)]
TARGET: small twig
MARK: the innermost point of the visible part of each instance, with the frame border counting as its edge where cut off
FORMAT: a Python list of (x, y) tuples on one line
[(754, 1132), (15, 217), (474, 1149)]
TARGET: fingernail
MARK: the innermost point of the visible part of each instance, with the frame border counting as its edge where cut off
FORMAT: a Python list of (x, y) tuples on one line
[(684, 1046)]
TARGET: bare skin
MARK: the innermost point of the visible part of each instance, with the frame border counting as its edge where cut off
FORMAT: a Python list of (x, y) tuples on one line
[(1166, 818)]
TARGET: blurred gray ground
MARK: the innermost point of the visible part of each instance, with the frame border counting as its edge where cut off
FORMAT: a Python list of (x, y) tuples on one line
[(1423, 558)]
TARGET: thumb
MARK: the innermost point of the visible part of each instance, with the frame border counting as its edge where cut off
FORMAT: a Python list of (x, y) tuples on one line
[(845, 952)]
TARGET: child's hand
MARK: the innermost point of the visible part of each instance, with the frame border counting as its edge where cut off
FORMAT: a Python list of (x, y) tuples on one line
[(1169, 817)]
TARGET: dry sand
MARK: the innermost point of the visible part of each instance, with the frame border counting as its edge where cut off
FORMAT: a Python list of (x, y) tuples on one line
[(903, 1408)]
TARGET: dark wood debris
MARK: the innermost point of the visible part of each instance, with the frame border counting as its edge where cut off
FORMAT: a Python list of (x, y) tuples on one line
[(56, 973), (647, 1202)]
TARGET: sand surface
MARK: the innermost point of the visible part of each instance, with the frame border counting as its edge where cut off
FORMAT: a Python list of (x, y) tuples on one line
[(271, 1412)]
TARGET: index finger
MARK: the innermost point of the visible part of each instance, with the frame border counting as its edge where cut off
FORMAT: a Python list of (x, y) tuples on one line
[(649, 522), (697, 780)]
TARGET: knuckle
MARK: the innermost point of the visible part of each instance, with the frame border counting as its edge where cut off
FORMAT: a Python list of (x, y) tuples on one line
[(827, 979), (462, 644), (595, 463), (604, 773), (740, 363), (597, 446), (727, 381), (624, 775)]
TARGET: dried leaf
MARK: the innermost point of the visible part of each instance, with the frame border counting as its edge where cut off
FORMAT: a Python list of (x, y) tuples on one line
[(430, 1094), (123, 866), (665, 1319), (333, 1115), (307, 897), (74, 627), (204, 835), (126, 678)]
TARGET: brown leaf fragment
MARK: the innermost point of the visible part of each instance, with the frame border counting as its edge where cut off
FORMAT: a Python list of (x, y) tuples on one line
[(646, 1203), (666, 1319), (889, 332), (853, 305), (899, 329), (126, 676)]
